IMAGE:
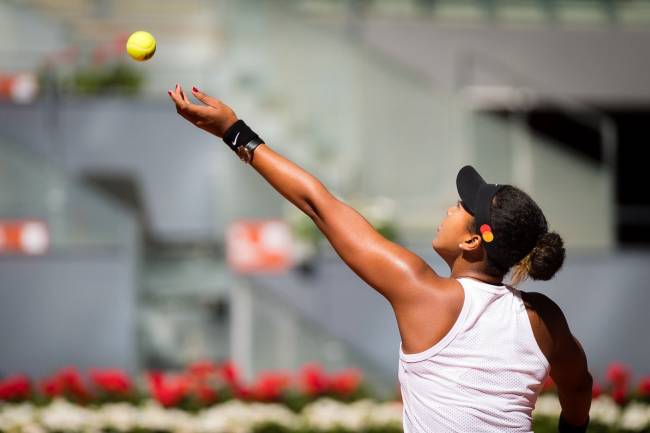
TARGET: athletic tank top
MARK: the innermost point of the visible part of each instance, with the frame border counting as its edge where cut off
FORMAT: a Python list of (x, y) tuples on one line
[(483, 376)]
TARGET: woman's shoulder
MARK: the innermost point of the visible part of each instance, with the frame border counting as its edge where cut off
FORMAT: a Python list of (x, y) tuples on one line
[(542, 305), (546, 319), (424, 323)]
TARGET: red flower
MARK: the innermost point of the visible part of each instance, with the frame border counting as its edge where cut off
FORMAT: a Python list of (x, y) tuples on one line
[(313, 380), (618, 374), (16, 387), (206, 394), (619, 394), (67, 382), (241, 392), (52, 387), (73, 383), (270, 385), (596, 390), (229, 373), (168, 390), (548, 384), (111, 380), (345, 382), (644, 386), (202, 369)]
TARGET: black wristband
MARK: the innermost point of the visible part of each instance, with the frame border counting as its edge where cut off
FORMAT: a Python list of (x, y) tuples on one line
[(239, 134), (564, 427)]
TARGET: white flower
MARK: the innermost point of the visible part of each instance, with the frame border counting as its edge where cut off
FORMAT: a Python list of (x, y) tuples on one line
[(33, 428), (180, 421), (210, 421), (118, 416), (327, 414), (636, 417), (230, 417), (389, 414), (240, 417), (322, 414), (272, 413), (604, 410), (63, 416), (548, 405), (16, 416), (152, 416), (357, 414)]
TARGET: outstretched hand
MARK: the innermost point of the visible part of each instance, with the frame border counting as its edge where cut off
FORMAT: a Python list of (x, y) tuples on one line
[(212, 115)]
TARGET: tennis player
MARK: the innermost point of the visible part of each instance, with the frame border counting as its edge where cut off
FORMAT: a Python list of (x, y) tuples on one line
[(474, 351)]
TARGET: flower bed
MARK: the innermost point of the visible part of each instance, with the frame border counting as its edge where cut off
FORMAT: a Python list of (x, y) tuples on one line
[(616, 406), (200, 385), (212, 397), (233, 416)]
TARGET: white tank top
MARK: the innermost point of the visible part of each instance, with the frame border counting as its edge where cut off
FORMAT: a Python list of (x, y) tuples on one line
[(483, 376)]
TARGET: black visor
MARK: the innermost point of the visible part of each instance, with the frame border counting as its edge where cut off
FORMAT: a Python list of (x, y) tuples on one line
[(476, 194)]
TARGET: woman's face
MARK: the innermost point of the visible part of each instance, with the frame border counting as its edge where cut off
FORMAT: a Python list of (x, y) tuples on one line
[(453, 231)]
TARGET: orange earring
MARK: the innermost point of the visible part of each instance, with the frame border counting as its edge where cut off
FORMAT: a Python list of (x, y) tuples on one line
[(486, 233)]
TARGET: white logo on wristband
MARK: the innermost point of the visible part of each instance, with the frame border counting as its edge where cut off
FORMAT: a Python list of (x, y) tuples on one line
[(234, 142)]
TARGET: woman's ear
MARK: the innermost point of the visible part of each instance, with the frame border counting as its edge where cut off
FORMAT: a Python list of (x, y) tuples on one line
[(471, 244)]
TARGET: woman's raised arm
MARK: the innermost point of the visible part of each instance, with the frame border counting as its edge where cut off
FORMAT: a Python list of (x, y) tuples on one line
[(394, 271)]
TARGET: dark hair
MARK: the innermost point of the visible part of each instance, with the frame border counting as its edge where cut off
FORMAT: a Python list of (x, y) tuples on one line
[(521, 238)]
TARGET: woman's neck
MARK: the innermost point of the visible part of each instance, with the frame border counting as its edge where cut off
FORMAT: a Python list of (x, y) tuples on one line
[(493, 281), (469, 270)]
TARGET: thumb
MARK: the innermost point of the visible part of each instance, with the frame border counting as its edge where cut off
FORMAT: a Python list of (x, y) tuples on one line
[(207, 100)]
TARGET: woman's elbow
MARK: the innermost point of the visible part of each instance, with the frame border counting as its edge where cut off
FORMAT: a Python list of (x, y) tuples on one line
[(310, 209), (317, 201)]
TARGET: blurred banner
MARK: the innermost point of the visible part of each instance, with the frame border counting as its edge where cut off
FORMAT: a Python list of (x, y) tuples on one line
[(24, 237), (259, 246), (20, 88)]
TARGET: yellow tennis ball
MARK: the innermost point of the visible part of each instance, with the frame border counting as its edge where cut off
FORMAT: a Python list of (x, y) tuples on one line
[(141, 45)]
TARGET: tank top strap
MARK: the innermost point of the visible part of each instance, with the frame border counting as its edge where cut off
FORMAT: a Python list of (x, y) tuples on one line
[(456, 328), (466, 281)]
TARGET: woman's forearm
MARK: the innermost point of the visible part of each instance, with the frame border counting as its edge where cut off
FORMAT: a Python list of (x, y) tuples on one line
[(298, 186), (295, 184)]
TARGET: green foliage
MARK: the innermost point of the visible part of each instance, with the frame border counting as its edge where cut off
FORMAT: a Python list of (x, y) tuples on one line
[(119, 78), (387, 230), (271, 428), (394, 429), (305, 229), (544, 424)]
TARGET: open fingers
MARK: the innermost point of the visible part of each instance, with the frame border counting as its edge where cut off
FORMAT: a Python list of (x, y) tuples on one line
[(175, 97), (178, 93), (181, 100), (185, 108), (183, 96), (207, 100)]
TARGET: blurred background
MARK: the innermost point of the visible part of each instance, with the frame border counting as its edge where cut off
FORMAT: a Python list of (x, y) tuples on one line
[(131, 239)]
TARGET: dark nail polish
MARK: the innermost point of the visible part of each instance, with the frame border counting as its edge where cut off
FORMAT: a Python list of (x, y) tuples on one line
[(195, 89)]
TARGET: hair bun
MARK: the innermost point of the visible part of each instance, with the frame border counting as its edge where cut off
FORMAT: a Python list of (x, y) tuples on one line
[(547, 257)]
